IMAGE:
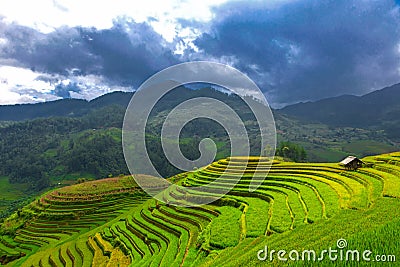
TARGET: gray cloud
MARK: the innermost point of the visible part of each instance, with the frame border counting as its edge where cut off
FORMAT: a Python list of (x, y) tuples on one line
[(125, 54), (64, 90), (310, 49), (51, 53), (301, 50), (129, 52)]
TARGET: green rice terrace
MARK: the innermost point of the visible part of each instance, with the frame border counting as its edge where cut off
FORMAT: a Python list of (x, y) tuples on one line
[(112, 222)]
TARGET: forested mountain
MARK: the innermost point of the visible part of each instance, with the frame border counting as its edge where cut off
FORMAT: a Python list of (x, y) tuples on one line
[(79, 108), (63, 107), (379, 110), (33, 151), (71, 139), (86, 141)]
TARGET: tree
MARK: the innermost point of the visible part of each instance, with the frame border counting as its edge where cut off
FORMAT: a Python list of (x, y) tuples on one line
[(291, 151)]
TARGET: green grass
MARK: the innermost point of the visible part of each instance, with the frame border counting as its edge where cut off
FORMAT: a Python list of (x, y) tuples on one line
[(225, 229), (322, 154), (11, 191), (367, 147), (257, 216), (360, 229), (72, 177), (298, 206)]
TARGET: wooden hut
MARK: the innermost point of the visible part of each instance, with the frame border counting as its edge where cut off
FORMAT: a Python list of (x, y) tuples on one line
[(352, 163)]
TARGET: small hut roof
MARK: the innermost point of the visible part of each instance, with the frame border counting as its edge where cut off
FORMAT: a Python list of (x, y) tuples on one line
[(349, 159)]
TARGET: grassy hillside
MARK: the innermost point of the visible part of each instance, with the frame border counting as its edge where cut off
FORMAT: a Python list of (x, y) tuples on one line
[(298, 206), (69, 144)]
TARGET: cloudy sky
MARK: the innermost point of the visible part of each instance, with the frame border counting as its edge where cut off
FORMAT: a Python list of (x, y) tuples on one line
[(295, 50)]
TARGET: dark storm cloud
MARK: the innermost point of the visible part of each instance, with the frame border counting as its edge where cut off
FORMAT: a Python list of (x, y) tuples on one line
[(302, 50), (129, 52), (55, 52), (125, 54), (309, 49), (64, 90)]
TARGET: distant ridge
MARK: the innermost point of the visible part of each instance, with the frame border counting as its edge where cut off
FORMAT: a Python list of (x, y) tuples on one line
[(79, 107), (62, 108), (379, 109), (349, 110)]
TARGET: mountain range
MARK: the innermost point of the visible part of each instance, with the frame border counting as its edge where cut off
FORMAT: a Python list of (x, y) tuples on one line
[(377, 110), (329, 129)]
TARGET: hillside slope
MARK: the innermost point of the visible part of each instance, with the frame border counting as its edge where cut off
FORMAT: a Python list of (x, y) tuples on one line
[(69, 144), (379, 109), (298, 206)]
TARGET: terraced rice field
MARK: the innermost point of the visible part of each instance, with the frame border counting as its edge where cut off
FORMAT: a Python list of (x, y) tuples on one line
[(113, 222)]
